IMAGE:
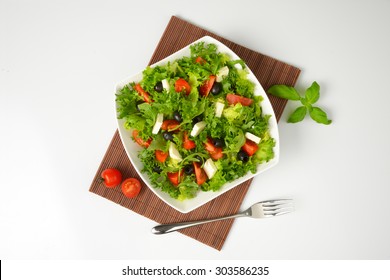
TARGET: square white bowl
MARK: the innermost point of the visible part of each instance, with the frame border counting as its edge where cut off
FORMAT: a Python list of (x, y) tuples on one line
[(132, 148)]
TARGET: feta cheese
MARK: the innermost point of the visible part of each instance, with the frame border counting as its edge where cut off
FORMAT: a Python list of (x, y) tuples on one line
[(159, 122), (198, 127), (238, 66), (218, 109), (165, 84), (223, 72), (210, 168), (252, 137), (174, 153)]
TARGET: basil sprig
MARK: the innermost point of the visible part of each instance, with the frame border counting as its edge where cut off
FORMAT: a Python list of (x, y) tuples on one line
[(312, 95)]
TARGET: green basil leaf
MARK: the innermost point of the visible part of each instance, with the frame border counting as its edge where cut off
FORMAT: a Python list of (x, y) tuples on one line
[(285, 92), (313, 93), (298, 115), (319, 116), (305, 102)]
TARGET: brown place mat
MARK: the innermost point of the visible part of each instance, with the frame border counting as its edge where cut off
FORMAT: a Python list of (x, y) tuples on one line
[(269, 71)]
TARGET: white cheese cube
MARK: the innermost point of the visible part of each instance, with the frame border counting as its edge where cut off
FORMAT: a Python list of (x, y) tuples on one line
[(252, 137), (165, 84), (238, 66), (218, 109), (159, 122), (223, 72), (174, 153), (210, 168), (198, 127)]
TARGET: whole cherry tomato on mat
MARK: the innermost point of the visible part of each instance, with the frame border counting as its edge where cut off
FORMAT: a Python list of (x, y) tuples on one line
[(131, 187), (112, 177)]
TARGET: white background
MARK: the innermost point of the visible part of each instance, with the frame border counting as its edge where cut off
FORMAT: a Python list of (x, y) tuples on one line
[(59, 62)]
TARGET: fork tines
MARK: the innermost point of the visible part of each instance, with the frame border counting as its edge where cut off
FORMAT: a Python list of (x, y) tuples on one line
[(277, 207)]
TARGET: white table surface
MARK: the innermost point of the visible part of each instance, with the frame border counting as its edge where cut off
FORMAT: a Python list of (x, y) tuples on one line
[(59, 62)]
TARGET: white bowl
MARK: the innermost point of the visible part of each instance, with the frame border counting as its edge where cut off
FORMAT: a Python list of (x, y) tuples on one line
[(202, 197)]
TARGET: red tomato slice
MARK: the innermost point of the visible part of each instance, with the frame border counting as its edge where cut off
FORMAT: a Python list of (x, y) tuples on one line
[(161, 156), (143, 93), (207, 85), (200, 174), (233, 99), (200, 60), (215, 152), (112, 177), (131, 187), (187, 143), (174, 177), (140, 141), (250, 147), (170, 125), (182, 85)]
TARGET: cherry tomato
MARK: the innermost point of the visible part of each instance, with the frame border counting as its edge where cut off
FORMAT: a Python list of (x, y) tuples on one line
[(143, 93), (187, 143), (140, 141), (215, 152), (161, 156), (131, 187), (207, 86), (170, 125), (233, 99), (200, 174), (112, 177), (200, 60), (250, 147), (174, 177), (182, 85)]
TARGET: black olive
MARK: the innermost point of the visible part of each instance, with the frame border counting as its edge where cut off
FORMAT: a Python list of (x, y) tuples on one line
[(159, 87), (157, 169), (198, 157), (189, 169), (168, 136), (197, 119), (241, 155), (177, 116), (217, 142), (217, 87)]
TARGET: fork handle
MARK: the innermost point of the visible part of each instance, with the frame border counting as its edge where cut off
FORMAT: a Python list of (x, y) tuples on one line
[(167, 228)]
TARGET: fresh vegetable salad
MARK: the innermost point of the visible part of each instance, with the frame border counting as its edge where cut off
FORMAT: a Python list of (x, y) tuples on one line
[(198, 121)]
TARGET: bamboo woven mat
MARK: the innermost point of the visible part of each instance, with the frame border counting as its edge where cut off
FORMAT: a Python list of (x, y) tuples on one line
[(269, 71)]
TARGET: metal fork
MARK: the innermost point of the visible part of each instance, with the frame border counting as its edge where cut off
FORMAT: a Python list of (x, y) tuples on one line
[(263, 209)]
